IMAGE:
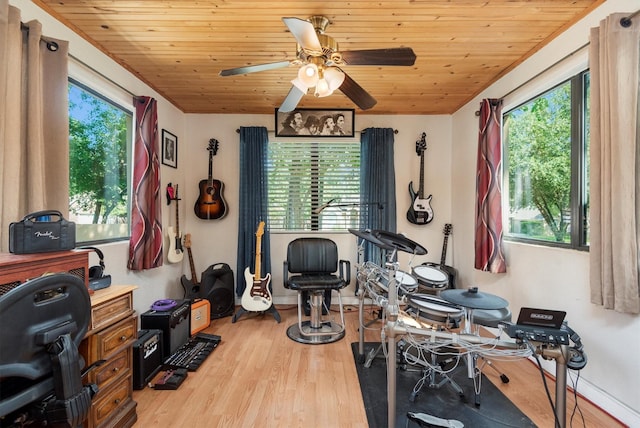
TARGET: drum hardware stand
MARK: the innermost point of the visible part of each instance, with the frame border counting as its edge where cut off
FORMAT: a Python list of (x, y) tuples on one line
[(429, 373)]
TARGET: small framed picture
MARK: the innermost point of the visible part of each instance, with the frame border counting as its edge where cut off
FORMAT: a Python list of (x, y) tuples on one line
[(315, 122), (169, 149)]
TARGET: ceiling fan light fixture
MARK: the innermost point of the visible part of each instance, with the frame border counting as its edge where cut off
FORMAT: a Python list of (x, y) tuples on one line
[(322, 88), (298, 84), (308, 75), (334, 78)]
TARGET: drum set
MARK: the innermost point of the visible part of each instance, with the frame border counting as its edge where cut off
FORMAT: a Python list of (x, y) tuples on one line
[(433, 323)]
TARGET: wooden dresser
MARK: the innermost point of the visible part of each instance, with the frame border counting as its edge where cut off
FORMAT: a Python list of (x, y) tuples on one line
[(18, 268), (113, 330)]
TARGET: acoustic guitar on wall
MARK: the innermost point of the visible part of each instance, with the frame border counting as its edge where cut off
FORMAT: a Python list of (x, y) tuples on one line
[(257, 295), (420, 211), (210, 204)]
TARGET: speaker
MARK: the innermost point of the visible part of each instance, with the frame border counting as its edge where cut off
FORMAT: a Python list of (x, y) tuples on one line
[(97, 279), (217, 285), (175, 325), (147, 357), (200, 315)]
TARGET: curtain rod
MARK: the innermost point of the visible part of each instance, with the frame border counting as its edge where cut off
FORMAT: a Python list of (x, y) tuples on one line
[(526, 82), (625, 22), (108, 79), (395, 131)]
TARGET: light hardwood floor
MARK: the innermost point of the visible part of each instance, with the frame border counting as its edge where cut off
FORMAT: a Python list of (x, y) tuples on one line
[(258, 377)]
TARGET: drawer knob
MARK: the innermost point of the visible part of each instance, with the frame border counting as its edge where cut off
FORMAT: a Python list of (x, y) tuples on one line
[(116, 369), (116, 401), (123, 338)]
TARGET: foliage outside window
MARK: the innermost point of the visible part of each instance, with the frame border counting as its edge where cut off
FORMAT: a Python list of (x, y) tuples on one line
[(546, 157), (99, 151), (304, 176)]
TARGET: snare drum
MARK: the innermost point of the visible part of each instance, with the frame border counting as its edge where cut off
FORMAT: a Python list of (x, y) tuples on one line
[(436, 310), (431, 277), (405, 282)]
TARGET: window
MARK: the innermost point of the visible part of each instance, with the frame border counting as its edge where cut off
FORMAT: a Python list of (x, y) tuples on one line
[(546, 155), (304, 177), (100, 134)]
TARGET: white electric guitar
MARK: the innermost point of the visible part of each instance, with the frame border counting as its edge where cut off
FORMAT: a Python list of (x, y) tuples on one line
[(257, 296), (175, 253)]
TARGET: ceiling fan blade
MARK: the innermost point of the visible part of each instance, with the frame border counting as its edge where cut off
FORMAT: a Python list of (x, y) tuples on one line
[(254, 68), (392, 56), (291, 101), (356, 93), (305, 34)]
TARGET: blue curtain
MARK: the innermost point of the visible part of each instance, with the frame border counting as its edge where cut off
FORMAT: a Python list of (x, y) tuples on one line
[(377, 185), (253, 202)]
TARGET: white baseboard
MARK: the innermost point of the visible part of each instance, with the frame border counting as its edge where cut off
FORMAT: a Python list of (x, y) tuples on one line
[(606, 402)]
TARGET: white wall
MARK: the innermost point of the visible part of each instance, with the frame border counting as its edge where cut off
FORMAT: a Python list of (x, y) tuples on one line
[(537, 276), (546, 277), (214, 241)]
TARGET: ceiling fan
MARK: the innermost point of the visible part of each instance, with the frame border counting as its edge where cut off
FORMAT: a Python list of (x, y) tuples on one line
[(321, 64)]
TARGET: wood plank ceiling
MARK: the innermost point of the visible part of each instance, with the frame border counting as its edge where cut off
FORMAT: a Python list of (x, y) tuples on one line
[(179, 47)]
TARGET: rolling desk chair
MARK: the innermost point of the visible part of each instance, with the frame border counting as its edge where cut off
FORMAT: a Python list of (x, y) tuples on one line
[(43, 322)]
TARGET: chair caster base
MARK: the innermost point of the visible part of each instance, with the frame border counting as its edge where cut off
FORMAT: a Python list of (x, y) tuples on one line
[(328, 332)]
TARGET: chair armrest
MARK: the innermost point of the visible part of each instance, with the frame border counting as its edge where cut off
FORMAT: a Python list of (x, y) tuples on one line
[(345, 271), (285, 274)]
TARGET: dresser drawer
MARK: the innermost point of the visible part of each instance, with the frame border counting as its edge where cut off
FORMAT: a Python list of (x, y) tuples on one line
[(117, 367), (107, 313), (103, 344), (114, 399)]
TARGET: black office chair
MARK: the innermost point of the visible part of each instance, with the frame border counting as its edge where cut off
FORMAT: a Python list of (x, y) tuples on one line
[(314, 263), (43, 322)]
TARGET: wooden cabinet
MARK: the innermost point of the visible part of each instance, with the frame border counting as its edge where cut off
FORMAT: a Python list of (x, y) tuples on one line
[(112, 332), (18, 268)]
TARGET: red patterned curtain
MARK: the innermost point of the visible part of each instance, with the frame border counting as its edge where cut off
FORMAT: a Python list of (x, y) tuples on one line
[(145, 246), (489, 255)]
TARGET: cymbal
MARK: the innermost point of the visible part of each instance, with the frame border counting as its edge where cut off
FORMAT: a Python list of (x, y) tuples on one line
[(474, 299), (400, 242), (367, 235)]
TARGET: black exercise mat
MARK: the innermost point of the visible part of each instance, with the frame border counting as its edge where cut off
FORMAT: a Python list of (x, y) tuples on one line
[(495, 409)]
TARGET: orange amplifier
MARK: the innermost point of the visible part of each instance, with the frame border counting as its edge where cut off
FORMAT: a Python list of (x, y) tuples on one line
[(200, 315)]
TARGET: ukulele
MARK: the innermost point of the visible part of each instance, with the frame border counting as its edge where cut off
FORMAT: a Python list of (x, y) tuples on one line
[(175, 253), (256, 296), (420, 211), (192, 286), (210, 204)]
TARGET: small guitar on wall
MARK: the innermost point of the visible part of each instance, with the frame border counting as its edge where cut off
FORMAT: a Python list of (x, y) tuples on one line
[(175, 253), (191, 286), (257, 296), (451, 272), (420, 211), (210, 204)]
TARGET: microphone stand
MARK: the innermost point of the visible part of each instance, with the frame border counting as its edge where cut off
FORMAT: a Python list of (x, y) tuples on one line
[(345, 205)]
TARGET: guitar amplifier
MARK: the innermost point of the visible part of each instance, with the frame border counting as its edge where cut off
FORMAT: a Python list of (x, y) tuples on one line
[(174, 323), (147, 357), (200, 315)]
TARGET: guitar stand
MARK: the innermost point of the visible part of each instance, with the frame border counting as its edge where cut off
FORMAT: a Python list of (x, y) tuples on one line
[(272, 310)]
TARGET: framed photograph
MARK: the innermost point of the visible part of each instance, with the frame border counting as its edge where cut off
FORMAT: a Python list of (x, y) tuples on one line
[(304, 122), (169, 149)]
